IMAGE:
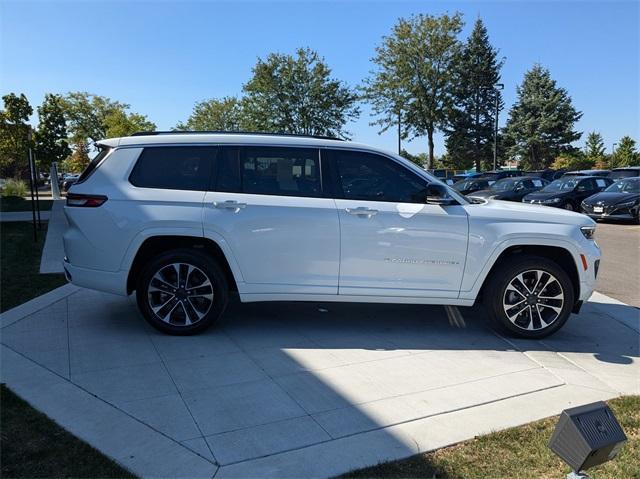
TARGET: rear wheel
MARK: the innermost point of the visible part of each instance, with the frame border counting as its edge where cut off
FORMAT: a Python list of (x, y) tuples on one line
[(530, 296), (182, 292)]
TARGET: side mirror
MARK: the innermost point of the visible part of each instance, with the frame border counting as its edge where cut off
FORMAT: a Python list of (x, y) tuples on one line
[(438, 195)]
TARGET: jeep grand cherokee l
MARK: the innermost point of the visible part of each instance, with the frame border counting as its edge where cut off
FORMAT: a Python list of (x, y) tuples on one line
[(182, 219)]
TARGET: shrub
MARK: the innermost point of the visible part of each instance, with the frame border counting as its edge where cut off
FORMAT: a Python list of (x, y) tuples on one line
[(14, 188)]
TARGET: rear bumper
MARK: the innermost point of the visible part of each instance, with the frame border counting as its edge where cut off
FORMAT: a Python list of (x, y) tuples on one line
[(107, 281)]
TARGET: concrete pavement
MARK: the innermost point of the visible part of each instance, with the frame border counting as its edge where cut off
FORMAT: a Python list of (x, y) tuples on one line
[(300, 389)]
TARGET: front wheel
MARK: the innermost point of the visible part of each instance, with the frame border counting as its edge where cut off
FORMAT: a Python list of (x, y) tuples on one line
[(182, 292), (530, 296)]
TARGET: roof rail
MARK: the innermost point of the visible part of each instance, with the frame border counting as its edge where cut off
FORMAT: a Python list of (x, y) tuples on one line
[(210, 132)]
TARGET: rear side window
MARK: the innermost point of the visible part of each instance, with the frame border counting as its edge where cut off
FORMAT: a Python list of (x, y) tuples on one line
[(174, 168), (93, 165), (371, 177), (280, 171), (601, 182)]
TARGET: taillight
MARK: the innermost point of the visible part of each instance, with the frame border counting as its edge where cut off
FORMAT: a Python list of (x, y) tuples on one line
[(86, 201)]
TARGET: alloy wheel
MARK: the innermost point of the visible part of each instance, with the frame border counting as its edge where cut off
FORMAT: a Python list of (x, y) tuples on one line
[(533, 300), (180, 294)]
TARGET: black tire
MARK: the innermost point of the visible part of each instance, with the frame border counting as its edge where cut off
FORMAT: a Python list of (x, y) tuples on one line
[(195, 313), (497, 297), (569, 206)]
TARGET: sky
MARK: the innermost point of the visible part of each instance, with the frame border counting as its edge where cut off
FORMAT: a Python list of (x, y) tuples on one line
[(162, 57)]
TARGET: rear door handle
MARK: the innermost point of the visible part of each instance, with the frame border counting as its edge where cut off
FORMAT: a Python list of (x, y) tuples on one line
[(229, 205), (362, 211)]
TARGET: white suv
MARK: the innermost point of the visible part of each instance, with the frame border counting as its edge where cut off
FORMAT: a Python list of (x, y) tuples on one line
[(183, 219)]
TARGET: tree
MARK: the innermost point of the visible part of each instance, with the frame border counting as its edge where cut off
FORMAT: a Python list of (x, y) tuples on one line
[(470, 129), (420, 159), (594, 150), (87, 115), (225, 114), (625, 154), (14, 135), (540, 124), (290, 94), (51, 136), (78, 160), (120, 123), (414, 69), (572, 160)]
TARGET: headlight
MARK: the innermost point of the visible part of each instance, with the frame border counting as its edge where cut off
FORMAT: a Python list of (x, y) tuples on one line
[(588, 231), (627, 204), (552, 200)]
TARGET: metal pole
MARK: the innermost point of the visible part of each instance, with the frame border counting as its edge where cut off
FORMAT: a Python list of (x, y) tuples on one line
[(37, 194), (33, 205), (399, 132), (495, 136)]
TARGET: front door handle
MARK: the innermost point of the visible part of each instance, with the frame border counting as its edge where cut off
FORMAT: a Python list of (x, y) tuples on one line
[(229, 205), (362, 211)]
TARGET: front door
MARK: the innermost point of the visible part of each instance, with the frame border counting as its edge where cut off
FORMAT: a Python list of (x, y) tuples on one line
[(269, 208), (392, 243)]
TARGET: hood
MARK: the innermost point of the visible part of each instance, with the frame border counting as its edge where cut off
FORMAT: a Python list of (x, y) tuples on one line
[(543, 195), (527, 213), (611, 198)]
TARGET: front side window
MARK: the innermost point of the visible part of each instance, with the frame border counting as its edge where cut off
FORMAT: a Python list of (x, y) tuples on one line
[(280, 171), (174, 168), (371, 177)]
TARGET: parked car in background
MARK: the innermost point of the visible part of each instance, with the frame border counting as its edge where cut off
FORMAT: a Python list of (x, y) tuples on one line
[(184, 219), (443, 175), (496, 175), (568, 192), (511, 189), (69, 181), (601, 173), (465, 176), (626, 172), (469, 186), (547, 174), (620, 201)]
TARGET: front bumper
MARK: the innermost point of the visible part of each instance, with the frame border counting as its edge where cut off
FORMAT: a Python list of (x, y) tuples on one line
[(107, 281), (588, 276), (611, 212)]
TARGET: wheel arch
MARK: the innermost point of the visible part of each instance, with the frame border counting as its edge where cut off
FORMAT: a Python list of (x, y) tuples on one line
[(558, 254), (155, 245)]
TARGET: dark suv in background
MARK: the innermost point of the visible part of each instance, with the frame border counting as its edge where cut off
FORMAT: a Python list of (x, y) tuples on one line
[(568, 191)]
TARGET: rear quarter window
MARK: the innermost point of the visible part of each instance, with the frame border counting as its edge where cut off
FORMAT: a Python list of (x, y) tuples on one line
[(93, 164), (174, 168)]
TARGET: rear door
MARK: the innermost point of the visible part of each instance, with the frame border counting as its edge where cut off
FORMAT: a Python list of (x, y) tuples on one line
[(267, 204), (391, 242)]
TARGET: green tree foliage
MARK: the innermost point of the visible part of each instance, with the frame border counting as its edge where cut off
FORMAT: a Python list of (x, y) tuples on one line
[(225, 114), (540, 124), (414, 68), (14, 131), (51, 136), (594, 150), (78, 160), (87, 115), (296, 94), (572, 160), (420, 159), (120, 123), (470, 129), (625, 154)]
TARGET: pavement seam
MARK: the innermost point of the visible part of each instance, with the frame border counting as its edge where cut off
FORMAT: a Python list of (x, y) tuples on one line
[(164, 365), (115, 406)]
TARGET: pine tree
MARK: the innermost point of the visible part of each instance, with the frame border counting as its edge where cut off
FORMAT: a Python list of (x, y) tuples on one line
[(470, 129), (625, 154), (594, 150), (51, 135), (540, 124)]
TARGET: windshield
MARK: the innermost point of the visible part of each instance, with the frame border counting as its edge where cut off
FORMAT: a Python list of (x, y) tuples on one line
[(563, 184), (622, 174), (506, 184), (625, 186)]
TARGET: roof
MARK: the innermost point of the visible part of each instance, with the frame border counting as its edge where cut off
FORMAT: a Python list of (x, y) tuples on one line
[(229, 138), (622, 168)]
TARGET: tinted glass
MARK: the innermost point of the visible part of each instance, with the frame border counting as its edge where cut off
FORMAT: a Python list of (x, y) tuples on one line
[(631, 185), (562, 185), (622, 174), (366, 176), (280, 171), (174, 168), (506, 184), (91, 167), (601, 182), (228, 177)]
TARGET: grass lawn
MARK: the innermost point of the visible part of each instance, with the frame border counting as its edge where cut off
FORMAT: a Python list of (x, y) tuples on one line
[(16, 203), (520, 452), (34, 446), (20, 279)]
